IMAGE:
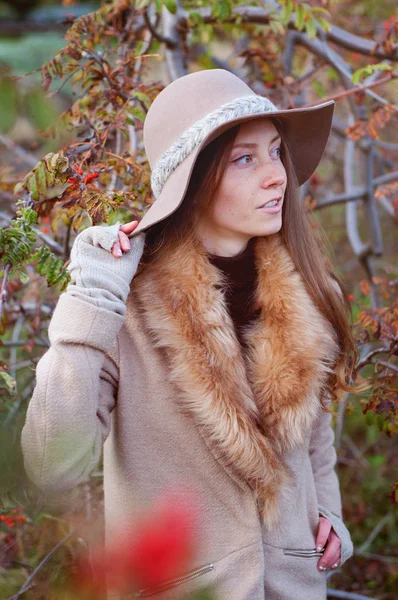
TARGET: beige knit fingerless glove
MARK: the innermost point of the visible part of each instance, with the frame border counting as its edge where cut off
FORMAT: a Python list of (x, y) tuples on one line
[(96, 275)]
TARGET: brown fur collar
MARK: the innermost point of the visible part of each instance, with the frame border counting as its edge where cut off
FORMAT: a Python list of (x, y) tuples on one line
[(251, 411)]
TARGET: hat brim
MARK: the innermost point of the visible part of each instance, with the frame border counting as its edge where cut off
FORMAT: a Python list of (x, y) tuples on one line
[(306, 131)]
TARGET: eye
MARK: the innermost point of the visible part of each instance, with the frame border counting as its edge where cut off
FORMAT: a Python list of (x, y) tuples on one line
[(240, 158), (278, 149)]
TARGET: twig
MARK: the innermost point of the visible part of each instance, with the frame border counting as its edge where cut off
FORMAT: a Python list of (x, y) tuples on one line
[(162, 38), (340, 421), (27, 590), (17, 405), (66, 242), (3, 289), (375, 532), (172, 28), (118, 147), (366, 359), (356, 452), (381, 557), (128, 161), (22, 343), (347, 595), (15, 338), (45, 560), (387, 365), (356, 89)]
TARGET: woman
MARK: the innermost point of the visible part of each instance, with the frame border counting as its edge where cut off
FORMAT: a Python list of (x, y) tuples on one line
[(207, 359)]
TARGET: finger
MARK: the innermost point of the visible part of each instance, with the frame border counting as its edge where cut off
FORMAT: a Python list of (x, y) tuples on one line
[(332, 554), (124, 242), (116, 250), (324, 528), (129, 227)]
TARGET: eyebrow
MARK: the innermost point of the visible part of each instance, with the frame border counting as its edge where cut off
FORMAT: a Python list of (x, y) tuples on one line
[(253, 145)]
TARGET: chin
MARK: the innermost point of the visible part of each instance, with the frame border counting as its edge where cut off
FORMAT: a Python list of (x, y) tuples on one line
[(268, 229)]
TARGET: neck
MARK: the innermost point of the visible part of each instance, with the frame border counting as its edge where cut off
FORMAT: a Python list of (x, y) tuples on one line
[(222, 243)]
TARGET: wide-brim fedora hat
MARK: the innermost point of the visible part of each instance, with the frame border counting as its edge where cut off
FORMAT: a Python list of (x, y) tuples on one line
[(194, 109)]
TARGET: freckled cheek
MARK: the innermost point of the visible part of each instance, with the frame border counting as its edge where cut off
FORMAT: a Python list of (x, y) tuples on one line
[(223, 210)]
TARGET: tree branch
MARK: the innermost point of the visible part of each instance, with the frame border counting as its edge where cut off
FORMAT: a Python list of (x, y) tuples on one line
[(340, 37), (3, 289), (375, 532), (347, 595), (27, 583), (367, 359)]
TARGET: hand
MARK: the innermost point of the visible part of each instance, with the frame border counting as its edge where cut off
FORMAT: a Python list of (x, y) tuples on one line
[(329, 539), (96, 276), (123, 245)]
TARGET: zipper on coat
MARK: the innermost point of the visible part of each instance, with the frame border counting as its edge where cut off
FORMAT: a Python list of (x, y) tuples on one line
[(173, 582), (302, 553)]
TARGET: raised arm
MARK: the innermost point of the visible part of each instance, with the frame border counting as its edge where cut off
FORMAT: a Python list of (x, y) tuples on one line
[(68, 417)]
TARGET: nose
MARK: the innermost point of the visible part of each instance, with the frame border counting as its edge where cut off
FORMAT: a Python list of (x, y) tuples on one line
[(274, 175)]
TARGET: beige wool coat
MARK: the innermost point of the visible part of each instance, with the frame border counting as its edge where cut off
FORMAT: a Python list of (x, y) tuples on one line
[(167, 393)]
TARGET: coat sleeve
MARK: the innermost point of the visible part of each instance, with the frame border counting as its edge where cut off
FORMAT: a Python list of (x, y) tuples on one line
[(69, 415), (323, 460)]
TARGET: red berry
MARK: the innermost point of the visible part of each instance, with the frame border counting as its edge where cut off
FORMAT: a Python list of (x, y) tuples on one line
[(76, 168)]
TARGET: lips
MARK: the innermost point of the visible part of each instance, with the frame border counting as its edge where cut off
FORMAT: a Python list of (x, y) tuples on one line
[(279, 198)]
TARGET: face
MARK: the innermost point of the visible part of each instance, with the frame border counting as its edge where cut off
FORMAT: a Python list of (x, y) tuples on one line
[(254, 175)]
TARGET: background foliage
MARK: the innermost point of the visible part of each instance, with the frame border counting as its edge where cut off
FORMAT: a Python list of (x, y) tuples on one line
[(72, 156)]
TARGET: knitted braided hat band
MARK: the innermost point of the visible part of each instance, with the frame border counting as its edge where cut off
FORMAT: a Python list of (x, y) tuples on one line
[(194, 109)]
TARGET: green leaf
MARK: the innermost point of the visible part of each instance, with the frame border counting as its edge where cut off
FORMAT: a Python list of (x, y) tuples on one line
[(195, 18), (332, 74), (324, 24), (141, 96), (286, 13), (221, 9), (299, 18), (277, 27), (319, 9), (142, 3), (310, 28), (378, 460), (318, 87), (137, 113), (357, 75), (23, 277), (8, 381), (171, 6)]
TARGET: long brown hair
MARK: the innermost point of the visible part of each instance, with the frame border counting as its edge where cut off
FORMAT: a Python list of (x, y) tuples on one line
[(305, 247)]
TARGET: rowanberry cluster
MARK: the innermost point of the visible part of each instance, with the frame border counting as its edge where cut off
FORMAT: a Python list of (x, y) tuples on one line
[(89, 178), (13, 517)]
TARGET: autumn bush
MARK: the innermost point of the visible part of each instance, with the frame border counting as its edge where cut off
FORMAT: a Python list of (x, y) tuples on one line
[(89, 167)]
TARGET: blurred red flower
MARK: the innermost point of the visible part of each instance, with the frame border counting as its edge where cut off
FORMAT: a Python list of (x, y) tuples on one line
[(159, 548)]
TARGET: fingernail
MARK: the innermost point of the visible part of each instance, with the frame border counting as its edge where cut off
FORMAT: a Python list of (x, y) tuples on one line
[(322, 568), (119, 252), (318, 548), (335, 565)]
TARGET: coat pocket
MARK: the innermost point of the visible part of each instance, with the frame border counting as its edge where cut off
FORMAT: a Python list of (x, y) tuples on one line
[(311, 552), (165, 585)]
